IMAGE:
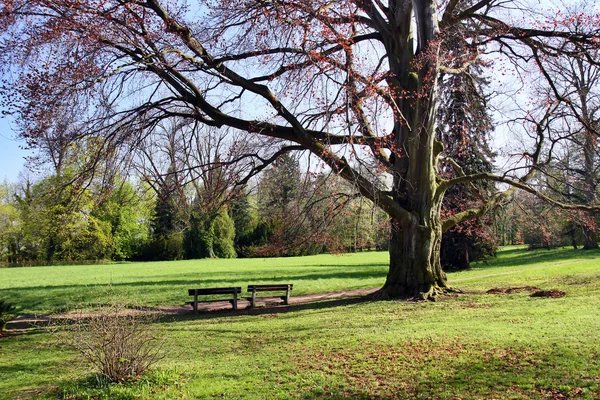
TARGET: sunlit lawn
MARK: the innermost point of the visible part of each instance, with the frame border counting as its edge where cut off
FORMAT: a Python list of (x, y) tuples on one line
[(475, 346), (50, 289)]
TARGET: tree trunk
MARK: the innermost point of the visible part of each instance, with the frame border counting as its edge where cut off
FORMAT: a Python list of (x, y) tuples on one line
[(590, 239), (573, 238), (415, 269), (465, 259)]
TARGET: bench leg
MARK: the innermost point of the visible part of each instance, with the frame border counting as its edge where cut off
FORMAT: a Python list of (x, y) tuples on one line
[(196, 303), (287, 297), (235, 301), (253, 301)]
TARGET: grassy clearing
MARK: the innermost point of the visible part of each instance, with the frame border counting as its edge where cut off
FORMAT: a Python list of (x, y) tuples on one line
[(476, 346), (51, 289)]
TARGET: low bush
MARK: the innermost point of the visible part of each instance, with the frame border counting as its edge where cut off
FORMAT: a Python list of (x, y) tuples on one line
[(120, 343)]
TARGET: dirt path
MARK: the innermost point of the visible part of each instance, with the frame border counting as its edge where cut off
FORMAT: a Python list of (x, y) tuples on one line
[(27, 321)]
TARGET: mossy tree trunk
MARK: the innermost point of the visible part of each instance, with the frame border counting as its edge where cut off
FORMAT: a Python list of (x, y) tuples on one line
[(415, 269)]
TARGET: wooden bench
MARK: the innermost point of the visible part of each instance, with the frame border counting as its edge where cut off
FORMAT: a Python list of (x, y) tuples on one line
[(287, 287), (212, 291)]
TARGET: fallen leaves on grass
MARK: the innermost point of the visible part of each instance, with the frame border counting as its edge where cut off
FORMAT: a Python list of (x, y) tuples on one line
[(379, 372), (425, 368)]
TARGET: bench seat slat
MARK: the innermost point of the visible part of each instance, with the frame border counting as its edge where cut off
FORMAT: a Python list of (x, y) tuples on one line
[(264, 288), (205, 291)]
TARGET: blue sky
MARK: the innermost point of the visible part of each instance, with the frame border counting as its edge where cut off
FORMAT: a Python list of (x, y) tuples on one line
[(11, 155)]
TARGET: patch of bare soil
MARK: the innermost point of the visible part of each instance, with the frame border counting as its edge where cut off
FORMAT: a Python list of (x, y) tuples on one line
[(552, 293), (513, 290)]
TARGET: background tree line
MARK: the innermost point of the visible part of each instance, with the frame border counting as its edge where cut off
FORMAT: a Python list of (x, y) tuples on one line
[(284, 213)]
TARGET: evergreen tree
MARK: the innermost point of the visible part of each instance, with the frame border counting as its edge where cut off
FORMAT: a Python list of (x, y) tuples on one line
[(224, 235), (279, 187), (211, 230), (169, 220), (245, 219), (464, 125), (200, 234)]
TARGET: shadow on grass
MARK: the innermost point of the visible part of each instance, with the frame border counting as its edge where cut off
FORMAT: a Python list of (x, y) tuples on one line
[(31, 298), (524, 257), (317, 305), (50, 297), (155, 284), (29, 367)]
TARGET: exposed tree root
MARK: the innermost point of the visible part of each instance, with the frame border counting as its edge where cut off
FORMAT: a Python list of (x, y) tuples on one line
[(381, 294), (435, 292)]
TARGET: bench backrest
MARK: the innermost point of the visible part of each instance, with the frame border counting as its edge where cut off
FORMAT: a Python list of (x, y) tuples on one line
[(229, 290), (269, 288)]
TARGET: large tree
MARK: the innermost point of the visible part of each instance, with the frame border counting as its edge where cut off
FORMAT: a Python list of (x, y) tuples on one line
[(355, 82)]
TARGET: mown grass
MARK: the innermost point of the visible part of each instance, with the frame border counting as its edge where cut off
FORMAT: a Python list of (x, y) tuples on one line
[(50, 289), (475, 346)]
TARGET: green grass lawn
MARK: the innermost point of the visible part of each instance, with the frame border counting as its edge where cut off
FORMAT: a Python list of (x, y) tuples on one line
[(50, 289), (475, 346)]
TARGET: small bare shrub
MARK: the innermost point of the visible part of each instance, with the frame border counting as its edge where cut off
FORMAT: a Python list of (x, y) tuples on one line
[(120, 343)]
